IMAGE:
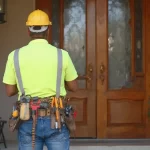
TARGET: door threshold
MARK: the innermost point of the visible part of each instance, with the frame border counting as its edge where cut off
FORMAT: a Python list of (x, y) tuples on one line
[(108, 142)]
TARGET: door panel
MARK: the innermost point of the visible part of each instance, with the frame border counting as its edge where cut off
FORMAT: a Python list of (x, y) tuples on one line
[(73, 29), (121, 103)]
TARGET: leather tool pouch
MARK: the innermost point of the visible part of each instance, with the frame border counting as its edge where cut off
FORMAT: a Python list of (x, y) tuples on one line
[(70, 121), (14, 123)]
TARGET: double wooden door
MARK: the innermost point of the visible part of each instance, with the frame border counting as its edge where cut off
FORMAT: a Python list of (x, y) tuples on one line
[(106, 40)]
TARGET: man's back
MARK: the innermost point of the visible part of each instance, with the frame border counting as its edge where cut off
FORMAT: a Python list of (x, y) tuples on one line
[(38, 66)]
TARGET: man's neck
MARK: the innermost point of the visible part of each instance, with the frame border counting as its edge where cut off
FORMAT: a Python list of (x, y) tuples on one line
[(36, 38)]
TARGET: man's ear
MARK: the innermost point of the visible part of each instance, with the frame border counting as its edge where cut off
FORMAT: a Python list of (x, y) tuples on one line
[(28, 32), (47, 33)]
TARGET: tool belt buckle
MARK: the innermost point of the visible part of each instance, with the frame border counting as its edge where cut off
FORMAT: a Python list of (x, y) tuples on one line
[(43, 112)]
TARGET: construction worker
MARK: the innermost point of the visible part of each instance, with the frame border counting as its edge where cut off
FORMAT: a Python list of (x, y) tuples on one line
[(38, 68)]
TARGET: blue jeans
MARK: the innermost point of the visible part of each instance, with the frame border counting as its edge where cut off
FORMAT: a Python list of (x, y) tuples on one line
[(52, 138)]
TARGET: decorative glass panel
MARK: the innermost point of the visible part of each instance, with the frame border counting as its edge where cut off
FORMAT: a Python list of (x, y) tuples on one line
[(138, 36), (119, 44), (75, 33), (55, 22)]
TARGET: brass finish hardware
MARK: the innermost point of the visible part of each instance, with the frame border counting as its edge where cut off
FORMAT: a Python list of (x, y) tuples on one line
[(90, 68), (88, 76), (102, 68), (101, 76)]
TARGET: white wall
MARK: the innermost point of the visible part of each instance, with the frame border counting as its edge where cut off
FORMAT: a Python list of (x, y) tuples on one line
[(13, 34)]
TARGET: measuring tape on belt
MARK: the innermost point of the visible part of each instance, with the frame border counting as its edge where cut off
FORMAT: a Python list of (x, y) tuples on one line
[(20, 84)]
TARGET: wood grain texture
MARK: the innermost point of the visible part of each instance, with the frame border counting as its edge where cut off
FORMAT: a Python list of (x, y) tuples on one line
[(130, 112)]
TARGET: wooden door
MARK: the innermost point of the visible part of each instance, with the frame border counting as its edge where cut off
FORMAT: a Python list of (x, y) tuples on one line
[(121, 69), (147, 59), (73, 29)]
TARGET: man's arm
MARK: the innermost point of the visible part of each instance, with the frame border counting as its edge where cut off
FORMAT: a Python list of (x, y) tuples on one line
[(9, 79), (11, 90), (71, 85)]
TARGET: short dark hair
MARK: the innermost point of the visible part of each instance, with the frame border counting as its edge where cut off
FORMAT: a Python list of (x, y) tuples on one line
[(40, 34)]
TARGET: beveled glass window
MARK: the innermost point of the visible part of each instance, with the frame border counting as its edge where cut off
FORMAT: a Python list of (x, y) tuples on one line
[(75, 33), (122, 47)]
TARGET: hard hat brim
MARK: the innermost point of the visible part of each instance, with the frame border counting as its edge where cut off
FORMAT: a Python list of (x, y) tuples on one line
[(43, 28)]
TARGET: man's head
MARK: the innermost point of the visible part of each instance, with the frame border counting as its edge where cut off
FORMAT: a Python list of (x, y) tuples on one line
[(38, 24)]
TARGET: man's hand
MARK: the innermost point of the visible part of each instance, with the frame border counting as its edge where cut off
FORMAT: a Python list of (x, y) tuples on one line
[(11, 90)]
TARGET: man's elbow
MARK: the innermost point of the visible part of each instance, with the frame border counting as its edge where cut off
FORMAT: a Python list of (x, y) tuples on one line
[(11, 90), (9, 94), (74, 89), (72, 86)]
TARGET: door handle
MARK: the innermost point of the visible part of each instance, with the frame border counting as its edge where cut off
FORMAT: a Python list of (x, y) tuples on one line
[(88, 76), (101, 76)]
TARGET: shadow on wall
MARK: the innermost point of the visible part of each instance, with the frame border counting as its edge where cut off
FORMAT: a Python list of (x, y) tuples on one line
[(13, 35)]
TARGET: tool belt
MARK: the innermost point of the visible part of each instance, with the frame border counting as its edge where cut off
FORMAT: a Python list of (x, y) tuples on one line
[(60, 113), (44, 107)]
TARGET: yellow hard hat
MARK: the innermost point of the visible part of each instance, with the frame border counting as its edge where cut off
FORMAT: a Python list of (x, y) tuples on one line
[(38, 18)]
